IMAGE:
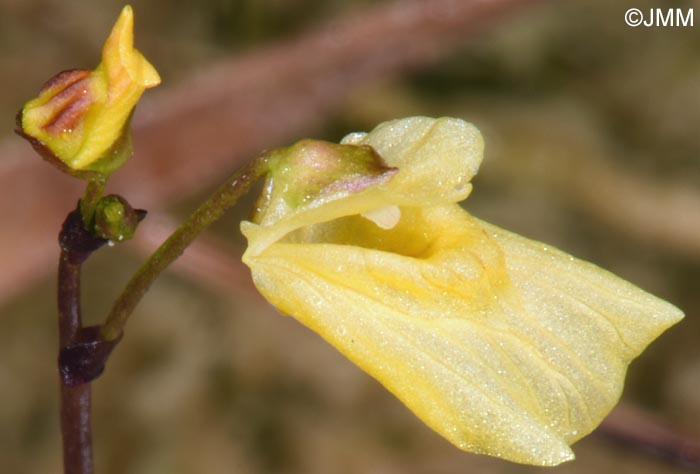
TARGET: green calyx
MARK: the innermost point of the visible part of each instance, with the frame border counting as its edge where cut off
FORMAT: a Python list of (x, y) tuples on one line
[(313, 170)]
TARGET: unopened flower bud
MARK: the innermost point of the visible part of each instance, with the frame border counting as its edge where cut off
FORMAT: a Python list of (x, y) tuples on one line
[(80, 120), (115, 219)]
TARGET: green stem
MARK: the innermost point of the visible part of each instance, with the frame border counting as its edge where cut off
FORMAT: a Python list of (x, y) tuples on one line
[(93, 193), (211, 210)]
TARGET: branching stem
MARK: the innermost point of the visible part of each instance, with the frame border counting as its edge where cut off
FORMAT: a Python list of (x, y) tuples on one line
[(84, 351)]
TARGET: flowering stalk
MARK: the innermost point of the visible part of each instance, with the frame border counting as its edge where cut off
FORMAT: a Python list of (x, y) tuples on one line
[(211, 210), (76, 429), (77, 244), (84, 351), (79, 122)]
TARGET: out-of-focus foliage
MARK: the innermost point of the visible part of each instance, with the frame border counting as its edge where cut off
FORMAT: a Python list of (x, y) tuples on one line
[(572, 103)]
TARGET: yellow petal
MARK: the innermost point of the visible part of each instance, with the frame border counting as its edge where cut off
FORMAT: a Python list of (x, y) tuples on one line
[(124, 73), (436, 158), (504, 346), (121, 58)]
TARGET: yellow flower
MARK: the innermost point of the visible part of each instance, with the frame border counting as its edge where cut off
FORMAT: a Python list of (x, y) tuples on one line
[(80, 120), (503, 345)]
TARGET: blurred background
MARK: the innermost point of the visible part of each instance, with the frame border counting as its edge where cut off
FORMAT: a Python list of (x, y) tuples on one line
[(592, 144)]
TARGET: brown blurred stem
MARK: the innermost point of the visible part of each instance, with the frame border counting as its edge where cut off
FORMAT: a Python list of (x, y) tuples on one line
[(643, 431), (211, 210)]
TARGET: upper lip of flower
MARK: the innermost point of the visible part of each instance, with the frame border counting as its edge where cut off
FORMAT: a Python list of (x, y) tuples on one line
[(435, 158), (120, 58)]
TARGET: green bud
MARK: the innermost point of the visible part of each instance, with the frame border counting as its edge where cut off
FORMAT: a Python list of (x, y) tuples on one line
[(115, 219)]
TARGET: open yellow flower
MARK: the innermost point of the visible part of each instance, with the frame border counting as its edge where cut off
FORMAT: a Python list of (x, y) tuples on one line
[(80, 120), (503, 345)]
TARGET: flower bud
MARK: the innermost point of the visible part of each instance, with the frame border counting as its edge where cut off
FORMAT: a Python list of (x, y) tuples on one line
[(115, 219), (80, 120)]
